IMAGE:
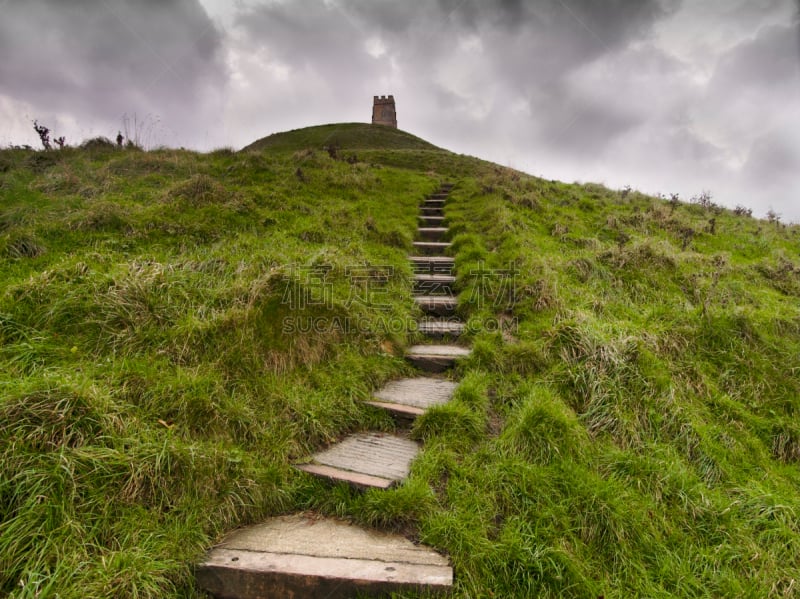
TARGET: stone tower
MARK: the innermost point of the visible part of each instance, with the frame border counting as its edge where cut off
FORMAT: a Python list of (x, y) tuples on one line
[(383, 112)]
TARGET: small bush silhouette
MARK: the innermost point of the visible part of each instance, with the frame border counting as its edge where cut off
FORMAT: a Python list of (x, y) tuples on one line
[(44, 134)]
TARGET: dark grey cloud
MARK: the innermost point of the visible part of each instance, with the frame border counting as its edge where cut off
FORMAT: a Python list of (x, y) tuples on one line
[(768, 60), (98, 60), (310, 36)]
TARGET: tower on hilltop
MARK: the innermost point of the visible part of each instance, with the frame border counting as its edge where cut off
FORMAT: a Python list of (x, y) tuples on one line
[(383, 112)]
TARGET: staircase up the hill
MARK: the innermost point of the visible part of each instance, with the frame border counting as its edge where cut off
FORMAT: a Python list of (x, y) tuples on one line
[(299, 556)]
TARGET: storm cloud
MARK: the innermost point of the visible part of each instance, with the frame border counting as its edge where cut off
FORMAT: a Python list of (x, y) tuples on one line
[(91, 62), (663, 95)]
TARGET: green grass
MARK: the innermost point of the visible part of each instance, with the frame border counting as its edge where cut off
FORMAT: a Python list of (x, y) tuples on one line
[(626, 425)]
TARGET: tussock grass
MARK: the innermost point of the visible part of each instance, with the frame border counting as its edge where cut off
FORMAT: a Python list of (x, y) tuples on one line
[(644, 398), (543, 429)]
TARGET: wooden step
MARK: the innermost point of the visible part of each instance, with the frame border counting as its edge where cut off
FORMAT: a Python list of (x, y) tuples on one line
[(436, 305), (441, 328), (432, 264), (442, 195), (435, 358), (433, 203), (408, 398), (432, 221), (309, 556), (433, 284), (432, 233), (365, 460), (431, 248)]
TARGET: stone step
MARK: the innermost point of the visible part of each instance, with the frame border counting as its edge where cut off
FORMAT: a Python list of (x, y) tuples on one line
[(432, 264), (432, 233), (433, 284), (365, 460), (431, 212), (431, 248), (301, 556), (435, 358), (442, 195), (441, 328), (436, 305), (432, 221), (408, 398)]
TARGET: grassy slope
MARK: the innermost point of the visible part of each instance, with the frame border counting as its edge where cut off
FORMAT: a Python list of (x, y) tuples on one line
[(634, 435), (646, 409)]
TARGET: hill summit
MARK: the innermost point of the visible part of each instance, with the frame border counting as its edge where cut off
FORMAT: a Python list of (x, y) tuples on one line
[(347, 136)]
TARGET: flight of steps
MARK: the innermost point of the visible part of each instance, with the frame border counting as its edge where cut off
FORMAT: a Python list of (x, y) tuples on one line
[(294, 556)]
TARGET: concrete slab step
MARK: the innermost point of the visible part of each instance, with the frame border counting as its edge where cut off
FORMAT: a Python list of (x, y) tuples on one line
[(432, 264), (432, 233), (365, 460), (436, 305), (304, 557), (441, 328), (431, 248), (435, 358), (411, 397)]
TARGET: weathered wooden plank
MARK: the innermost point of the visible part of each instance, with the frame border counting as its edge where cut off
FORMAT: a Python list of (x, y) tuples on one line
[(434, 278), (431, 211), (379, 455), (398, 410), (419, 392), (432, 221), (438, 329), (438, 305), (431, 248), (435, 358), (354, 478), (296, 556), (439, 350), (432, 233), (432, 264), (434, 283)]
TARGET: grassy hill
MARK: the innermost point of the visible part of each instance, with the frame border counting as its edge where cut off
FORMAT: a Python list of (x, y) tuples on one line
[(342, 136), (626, 426)]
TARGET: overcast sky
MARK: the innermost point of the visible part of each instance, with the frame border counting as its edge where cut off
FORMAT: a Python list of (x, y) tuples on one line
[(663, 95)]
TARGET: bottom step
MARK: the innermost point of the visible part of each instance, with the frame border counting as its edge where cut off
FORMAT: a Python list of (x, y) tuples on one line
[(298, 556)]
